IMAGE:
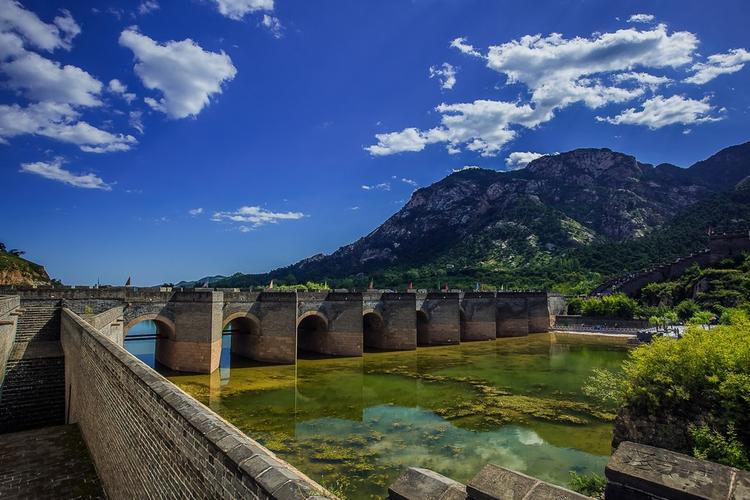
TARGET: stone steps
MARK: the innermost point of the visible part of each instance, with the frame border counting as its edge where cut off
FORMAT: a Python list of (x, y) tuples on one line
[(38, 322)]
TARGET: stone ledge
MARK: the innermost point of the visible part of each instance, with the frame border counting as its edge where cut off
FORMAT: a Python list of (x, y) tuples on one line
[(641, 471), (494, 482), (424, 484)]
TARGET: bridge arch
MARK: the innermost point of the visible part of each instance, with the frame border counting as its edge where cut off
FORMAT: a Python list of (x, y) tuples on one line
[(243, 330), (462, 324), (312, 329), (423, 328), (165, 326), (150, 347), (373, 328)]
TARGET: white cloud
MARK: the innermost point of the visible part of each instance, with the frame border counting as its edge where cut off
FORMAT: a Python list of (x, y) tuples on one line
[(117, 87), (59, 34), (273, 25), (466, 167), (45, 80), (719, 64), (256, 216), (409, 139), (195, 211), (465, 48), (644, 79), (354, 208), (558, 72), (237, 9), (659, 112), (148, 6), (641, 18), (482, 126), (446, 74), (135, 120), (186, 74), (59, 121), (383, 186), (519, 159), (53, 170), (410, 182)]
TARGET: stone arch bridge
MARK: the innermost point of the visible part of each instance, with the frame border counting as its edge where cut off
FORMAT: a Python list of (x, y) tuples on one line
[(273, 326)]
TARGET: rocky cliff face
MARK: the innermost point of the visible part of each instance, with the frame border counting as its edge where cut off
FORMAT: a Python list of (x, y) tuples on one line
[(15, 270), (557, 202)]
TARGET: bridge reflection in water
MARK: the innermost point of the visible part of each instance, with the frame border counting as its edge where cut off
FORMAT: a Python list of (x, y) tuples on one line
[(355, 423)]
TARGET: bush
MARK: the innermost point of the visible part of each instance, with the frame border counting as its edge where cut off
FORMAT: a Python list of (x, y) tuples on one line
[(709, 444), (610, 306), (704, 377), (686, 309), (591, 485)]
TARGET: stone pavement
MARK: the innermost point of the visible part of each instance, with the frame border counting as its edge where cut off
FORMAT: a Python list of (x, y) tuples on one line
[(52, 462)]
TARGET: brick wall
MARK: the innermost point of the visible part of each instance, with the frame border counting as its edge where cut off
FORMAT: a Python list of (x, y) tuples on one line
[(146, 435), (33, 392)]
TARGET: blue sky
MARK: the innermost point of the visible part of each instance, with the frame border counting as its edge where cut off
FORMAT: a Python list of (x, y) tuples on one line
[(290, 128)]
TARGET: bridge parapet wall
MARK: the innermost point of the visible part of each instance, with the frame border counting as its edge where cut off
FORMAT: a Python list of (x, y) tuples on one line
[(146, 435), (342, 312), (441, 320), (478, 315), (397, 312)]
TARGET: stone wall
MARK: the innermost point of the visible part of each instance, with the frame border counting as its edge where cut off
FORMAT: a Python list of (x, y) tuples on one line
[(634, 472), (32, 391), (145, 435), (8, 314), (573, 321)]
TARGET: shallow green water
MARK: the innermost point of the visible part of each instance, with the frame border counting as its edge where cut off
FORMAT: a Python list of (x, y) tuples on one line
[(354, 424)]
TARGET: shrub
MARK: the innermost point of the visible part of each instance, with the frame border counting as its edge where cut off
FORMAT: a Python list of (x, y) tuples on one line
[(591, 485), (686, 309), (610, 306), (704, 377), (709, 444)]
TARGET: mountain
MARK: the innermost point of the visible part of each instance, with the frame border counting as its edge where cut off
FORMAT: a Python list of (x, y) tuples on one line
[(15, 270), (554, 224), (199, 282)]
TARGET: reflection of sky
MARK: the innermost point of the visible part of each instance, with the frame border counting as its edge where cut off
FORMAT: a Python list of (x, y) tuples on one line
[(414, 437)]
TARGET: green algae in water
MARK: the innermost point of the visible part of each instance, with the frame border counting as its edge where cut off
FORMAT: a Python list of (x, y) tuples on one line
[(353, 424)]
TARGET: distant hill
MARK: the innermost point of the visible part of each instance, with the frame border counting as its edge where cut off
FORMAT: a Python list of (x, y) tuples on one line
[(566, 221), (211, 280), (15, 270)]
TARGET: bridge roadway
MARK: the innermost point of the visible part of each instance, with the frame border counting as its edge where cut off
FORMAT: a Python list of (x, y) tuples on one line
[(272, 326)]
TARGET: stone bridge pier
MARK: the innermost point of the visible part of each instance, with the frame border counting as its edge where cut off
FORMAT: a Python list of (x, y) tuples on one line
[(477, 316), (389, 321), (438, 318), (264, 325), (330, 323), (189, 325), (512, 315)]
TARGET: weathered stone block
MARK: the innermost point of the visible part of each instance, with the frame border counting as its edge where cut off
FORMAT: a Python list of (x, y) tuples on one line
[(495, 482), (424, 484), (637, 469)]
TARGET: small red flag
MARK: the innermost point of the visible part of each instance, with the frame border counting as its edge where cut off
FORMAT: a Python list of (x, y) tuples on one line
[(411, 285)]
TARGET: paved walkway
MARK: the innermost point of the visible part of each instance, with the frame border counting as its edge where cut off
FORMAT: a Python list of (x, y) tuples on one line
[(52, 462)]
